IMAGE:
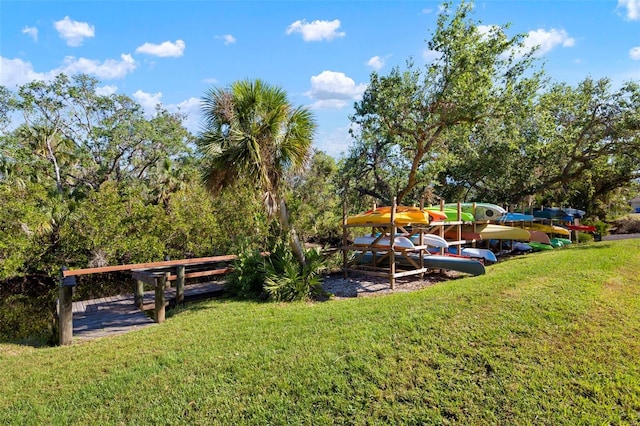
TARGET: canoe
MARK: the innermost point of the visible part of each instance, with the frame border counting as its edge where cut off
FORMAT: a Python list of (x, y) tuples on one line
[(452, 214), (556, 243), (539, 237), (404, 216), (399, 242), (522, 247), (515, 217), (583, 228), (491, 231), (431, 240), (539, 246), (558, 213), (433, 261), (550, 229), (560, 242), (476, 253), (483, 211)]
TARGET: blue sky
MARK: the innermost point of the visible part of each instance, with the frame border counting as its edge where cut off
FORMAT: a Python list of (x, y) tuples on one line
[(320, 52)]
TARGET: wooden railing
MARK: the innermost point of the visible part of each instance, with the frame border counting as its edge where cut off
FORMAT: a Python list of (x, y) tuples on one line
[(156, 274)]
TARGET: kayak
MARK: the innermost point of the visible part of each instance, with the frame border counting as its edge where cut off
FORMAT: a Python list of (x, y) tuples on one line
[(491, 231), (431, 240), (539, 246), (452, 214), (483, 211), (433, 261), (550, 229), (522, 247), (403, 216), (399, 242), (583, 228), (477, 253), (561, 241), (516, 217), (539, 236)]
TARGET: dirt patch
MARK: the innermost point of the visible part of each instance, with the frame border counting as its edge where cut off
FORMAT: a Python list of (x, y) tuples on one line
[(362, 285)]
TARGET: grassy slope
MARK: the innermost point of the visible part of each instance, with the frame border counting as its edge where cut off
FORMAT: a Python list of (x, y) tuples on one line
[(551, 338)]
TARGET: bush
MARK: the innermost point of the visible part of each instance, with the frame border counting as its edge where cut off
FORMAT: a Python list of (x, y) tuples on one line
[(248, 276), (287, 280), (584, 237), (27, 320)]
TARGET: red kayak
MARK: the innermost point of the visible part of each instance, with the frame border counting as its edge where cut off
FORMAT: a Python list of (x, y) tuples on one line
[(583, 228)]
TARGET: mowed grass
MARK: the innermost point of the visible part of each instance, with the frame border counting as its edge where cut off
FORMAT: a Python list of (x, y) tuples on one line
[(550, 338)]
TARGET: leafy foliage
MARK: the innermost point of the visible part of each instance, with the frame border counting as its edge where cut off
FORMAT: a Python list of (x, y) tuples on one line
[(407, 119), (248, 276), (253, 132), (314, 201), (287, 280)]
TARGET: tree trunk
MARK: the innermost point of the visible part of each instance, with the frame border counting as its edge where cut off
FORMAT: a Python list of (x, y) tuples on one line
[(294, 242)]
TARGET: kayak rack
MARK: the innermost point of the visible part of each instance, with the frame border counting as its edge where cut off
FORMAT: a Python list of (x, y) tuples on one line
[(384, 262)]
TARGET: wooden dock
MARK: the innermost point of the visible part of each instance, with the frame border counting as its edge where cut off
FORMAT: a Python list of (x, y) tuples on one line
[(110, 316)]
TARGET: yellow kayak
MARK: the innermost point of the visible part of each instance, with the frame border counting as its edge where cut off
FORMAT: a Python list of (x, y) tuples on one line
[(404, 216), (550, 229)]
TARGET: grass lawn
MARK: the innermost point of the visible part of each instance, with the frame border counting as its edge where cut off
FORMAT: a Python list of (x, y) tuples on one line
[(550, 338)]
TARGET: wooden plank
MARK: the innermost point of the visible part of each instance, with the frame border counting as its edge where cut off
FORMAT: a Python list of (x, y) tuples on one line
[(129, 267), (202, 274)]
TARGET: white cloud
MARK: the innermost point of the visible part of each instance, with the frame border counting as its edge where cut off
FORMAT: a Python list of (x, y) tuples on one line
[(106, 90), (16, 72), (191, 108), (332, 89), (376, 62), (486, 30), (74, 32), (108, 70), (634, 53), (148, 101), (228, 39), (316, 30), (31, 32), (632, 9), (335, 143), (210, 80), (546, 41), (430, 55), (163, 50)]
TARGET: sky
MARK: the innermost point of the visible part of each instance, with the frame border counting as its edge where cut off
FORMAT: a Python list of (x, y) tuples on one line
[(321, 53)]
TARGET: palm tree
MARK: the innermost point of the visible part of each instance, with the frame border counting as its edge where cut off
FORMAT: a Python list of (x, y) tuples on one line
[(251, 130)]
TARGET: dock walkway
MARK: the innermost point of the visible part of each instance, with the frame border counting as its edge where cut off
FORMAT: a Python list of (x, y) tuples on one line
[(114, 315)]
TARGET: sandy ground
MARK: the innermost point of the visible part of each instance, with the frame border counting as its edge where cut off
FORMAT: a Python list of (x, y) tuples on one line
[(361, 285)]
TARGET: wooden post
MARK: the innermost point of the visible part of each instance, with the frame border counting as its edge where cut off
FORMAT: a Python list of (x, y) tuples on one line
[(392, 240), (138, 294), (159, 308), (65, 315), (345, 235), (180, 284)]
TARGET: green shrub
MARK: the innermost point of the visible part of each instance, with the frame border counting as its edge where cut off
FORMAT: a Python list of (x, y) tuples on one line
[(248, 276), (584, 237), (26, 319), (287, 280)]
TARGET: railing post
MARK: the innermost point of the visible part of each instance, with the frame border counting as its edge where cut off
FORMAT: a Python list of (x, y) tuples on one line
[(65, 308), (180, 284), (138, 294), (160, 283)]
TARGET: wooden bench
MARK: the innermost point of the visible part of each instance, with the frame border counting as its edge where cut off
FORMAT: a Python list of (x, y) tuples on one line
[(157, 274)]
